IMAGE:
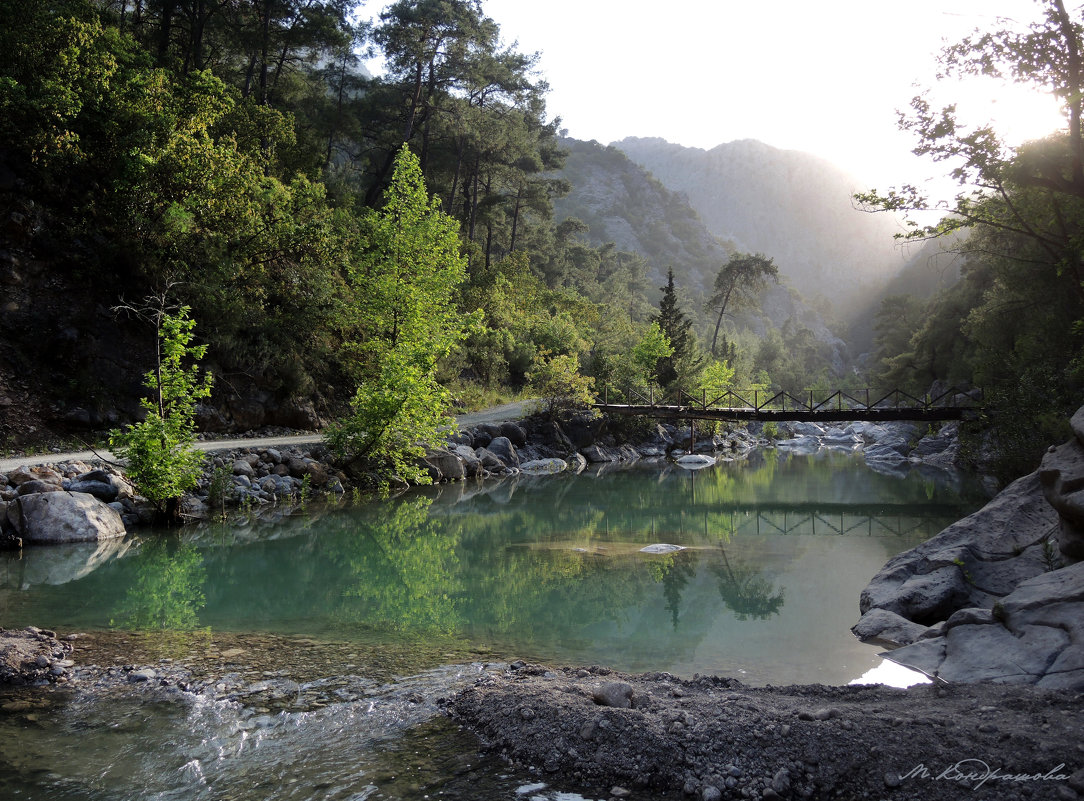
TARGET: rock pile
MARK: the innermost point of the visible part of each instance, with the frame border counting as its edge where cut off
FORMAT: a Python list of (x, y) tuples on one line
[(65, 503), (545, 446), (33, 656), (262, 477)]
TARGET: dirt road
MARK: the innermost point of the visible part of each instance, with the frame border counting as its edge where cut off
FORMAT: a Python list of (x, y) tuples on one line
[(508, 411)]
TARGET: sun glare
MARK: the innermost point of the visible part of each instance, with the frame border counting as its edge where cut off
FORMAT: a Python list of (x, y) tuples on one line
[(1018, 113)]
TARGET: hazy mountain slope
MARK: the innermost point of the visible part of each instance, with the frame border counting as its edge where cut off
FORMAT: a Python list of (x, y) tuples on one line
[(792, 206), (623, 204)]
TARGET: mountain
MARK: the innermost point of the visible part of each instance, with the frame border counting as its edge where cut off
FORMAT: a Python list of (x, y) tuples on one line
[(623, 204), (789, 205)]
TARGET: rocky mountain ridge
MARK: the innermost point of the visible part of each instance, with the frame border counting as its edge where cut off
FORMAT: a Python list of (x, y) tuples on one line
[(789, 205)]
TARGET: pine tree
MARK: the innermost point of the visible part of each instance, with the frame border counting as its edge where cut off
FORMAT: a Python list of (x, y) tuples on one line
[(675, 325)]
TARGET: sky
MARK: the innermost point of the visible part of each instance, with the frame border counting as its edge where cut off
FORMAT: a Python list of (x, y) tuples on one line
[(823, 77)]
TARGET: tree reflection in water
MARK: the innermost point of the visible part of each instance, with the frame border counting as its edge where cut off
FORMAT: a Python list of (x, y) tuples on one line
[(745, 590)]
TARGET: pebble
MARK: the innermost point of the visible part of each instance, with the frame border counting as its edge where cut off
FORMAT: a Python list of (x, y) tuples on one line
[(893, 780), (618, 791), (144, 674)]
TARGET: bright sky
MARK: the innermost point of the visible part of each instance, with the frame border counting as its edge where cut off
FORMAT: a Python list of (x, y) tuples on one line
[(823, 77)]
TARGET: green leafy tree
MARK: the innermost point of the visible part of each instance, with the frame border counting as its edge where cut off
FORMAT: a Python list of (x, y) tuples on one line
[(652, 351), (558, 382), (406, 275), (1014, 319), (737, 284), (161, 458)]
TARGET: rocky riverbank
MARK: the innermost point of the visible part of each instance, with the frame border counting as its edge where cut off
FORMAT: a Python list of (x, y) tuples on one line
[(619, 736), (999, 595)]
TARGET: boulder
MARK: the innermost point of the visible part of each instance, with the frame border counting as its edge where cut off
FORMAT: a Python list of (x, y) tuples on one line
[(990, 551), (540, 467), (102, 490), (695, 461), (515, 434), (489, 460), (882, 627), (504, 450), (53, 517), (241, 467), (1062, 477), (480, 438), (596, 454), (472, 465), (448, 465), (1034, 635), (37, 485)]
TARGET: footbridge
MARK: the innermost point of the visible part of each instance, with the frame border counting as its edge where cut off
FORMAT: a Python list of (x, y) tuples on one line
[(810, 406)]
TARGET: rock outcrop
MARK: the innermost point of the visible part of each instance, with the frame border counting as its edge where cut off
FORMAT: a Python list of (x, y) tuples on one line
[(1062, 476), (999, 595)]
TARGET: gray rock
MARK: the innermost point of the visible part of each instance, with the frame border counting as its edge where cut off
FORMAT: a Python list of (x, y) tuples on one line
[(472, 465), (883, 627), (596, 454), (38, 485), (241, 467), (515, 434), (449, 465), (504, 450), (141, 675), (694, 461), (489, 460), (615, 693), (102, 490), (1034, 635), (993, 541), (1062, 477), (55, 517), (544, 466), (883, 453), (577, 463)]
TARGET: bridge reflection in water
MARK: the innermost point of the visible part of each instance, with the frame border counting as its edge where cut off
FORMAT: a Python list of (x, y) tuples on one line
[(838, 519)]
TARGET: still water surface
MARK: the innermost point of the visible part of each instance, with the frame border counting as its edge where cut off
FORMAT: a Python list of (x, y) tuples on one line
[(776, 551)]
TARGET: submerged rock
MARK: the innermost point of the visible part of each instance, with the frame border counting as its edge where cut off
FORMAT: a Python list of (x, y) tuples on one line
[(695, 461), (544, 466), (662, 547)]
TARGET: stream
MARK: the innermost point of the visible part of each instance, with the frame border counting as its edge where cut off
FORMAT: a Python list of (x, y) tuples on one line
[(304, 657)]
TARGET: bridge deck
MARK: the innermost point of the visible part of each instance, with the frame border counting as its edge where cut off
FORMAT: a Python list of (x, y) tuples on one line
[(749, 413), (839, 406)]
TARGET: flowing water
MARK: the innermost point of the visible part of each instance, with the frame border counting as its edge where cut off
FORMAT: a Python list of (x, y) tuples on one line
[(337, 630)]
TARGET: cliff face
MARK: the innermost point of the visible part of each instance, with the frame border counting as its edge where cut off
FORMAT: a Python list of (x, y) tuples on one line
[(622, 203), (789, 205)]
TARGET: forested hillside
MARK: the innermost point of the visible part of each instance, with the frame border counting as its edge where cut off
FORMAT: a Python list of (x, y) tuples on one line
[(789, 205), (346, 241)]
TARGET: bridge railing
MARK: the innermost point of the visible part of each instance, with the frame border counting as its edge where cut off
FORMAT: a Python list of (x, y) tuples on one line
[(771, 400)]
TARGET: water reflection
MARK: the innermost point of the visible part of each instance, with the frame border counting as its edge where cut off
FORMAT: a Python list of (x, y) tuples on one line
[(777, 551)]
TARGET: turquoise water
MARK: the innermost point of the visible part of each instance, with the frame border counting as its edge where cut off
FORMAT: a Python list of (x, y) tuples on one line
[(776, 551)]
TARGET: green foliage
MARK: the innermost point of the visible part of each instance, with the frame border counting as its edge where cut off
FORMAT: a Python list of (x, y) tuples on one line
[(770, 430), (406, 275), (737, 284), (162, 461), (652, 349), (1012, 324), (716, 379), (559, 384)]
